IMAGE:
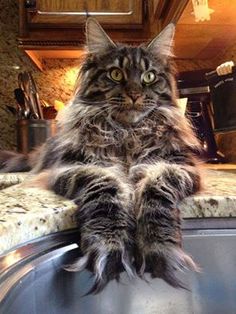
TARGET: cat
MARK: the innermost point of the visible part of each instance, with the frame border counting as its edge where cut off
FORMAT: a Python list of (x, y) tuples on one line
[(125, 154)]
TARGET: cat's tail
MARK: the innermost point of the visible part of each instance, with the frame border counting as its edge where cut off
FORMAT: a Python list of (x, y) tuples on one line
[(16, 162)]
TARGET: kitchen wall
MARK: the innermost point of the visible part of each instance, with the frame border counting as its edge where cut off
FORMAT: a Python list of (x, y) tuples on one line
[(56, 82)]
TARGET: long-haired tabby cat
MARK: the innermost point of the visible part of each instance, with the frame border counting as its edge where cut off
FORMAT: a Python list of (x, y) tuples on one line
[(124, 155)]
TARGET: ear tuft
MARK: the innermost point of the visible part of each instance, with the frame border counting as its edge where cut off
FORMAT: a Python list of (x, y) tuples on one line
[(97, 39), (162, 44)]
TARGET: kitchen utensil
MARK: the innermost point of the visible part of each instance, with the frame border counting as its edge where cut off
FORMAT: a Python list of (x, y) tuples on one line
[(36, 95), (19, 105), (28, 91), (22, 86), (45, 104), (20, 98)]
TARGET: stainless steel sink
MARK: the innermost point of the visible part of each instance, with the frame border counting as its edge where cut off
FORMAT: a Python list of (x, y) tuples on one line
[(33, 282)]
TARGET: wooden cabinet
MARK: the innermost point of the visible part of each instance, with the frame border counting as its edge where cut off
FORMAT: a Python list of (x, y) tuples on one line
[(55, 28), (68, 13)]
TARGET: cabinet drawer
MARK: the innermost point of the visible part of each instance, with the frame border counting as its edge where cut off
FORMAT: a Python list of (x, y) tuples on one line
[(68, 13)]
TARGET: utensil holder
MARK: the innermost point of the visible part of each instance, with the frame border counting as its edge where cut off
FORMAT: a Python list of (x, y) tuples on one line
[(33, 133)]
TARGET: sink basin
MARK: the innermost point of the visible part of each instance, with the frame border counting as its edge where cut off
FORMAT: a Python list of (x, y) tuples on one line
[(33, 282)]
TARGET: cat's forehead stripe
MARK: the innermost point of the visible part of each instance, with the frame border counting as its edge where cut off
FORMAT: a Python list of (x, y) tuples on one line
[(138, 55), (125, 58), (117, 62), (125, 62), (143, 65), (147, 62), (131, 57)]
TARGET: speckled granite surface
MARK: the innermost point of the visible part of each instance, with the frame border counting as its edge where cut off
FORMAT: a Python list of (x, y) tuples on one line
[(9, 179), (217, 200), (28, 213)]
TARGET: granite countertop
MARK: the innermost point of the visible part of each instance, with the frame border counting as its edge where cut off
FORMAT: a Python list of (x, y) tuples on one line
[(27, 212)]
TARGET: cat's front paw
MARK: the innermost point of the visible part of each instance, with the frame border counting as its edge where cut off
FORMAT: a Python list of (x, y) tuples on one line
[(164, 261), (107, 252)]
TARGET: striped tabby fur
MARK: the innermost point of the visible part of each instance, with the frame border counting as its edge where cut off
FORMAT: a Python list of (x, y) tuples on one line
[(124, 154)]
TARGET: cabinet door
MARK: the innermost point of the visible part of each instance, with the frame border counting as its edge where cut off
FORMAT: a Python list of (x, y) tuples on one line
[(73, 13)]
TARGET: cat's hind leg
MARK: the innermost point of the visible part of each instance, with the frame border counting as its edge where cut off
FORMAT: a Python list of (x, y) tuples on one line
[(105, 219)]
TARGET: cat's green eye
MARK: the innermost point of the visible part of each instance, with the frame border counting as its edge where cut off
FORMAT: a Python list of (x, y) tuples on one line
[(116, 74), (149, 77)]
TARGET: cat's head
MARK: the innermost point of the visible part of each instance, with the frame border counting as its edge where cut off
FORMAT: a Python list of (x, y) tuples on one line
[(132, 81)]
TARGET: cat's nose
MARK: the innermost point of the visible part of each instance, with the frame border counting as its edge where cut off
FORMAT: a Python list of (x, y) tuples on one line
[(134, 95)]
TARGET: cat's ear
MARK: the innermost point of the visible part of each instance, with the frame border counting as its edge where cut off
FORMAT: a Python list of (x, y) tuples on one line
[(162, 44), (97, 39)]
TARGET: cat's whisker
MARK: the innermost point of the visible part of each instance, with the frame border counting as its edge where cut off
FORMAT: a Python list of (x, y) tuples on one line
[(89, 102), (119, 97)]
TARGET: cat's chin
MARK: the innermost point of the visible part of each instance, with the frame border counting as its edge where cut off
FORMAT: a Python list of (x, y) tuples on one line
[(130, 116)]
